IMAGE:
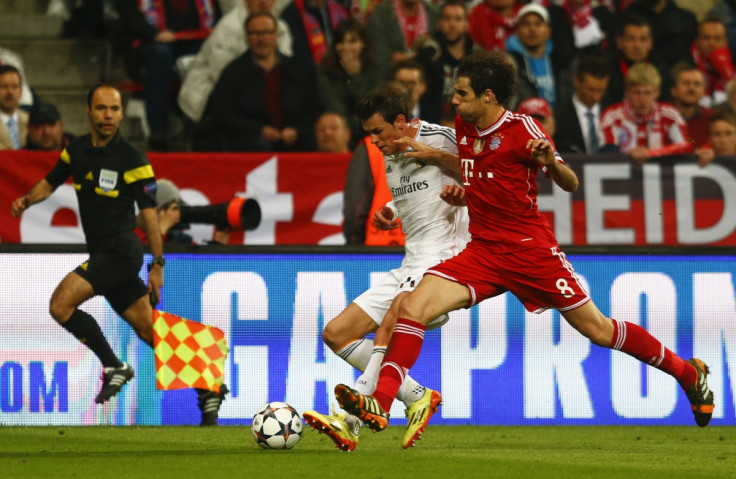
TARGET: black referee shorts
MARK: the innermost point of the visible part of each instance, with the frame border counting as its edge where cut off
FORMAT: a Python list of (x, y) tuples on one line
[(112, 270)]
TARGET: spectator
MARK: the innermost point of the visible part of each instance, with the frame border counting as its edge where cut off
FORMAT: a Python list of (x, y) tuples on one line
[(410, 74), (333, 133), (13, 120), (633, 44), (721, 137), (579, 116), (713, 58), (225, 44), (540, 71), (726, 11), (265, 101), (347, 73), (673, 29), (46, 130), (312, 24), (539, 109), (440, 56), (396, 29), (640, 126), (729, 105), (492, 22), (165, 30), (9, 57), (688, 88)]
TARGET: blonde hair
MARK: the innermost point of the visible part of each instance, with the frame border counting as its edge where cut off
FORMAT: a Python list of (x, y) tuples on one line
[(642, 73)]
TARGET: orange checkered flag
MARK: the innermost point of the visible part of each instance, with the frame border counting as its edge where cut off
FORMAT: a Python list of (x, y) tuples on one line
[(188, 354)]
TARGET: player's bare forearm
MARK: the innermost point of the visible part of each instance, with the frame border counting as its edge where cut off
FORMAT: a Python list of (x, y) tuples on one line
[(156, 274), (563, 176), (428, 154), (38, 193)]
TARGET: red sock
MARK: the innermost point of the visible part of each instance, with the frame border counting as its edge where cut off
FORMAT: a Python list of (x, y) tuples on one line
[(402, 353), (636, 341)]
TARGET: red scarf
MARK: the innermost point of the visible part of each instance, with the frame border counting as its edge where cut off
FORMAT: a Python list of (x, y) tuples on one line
[(154, 12), (489, 29), (646, 126), (315, 35), (717, 68), (578, 14), (412, 27)]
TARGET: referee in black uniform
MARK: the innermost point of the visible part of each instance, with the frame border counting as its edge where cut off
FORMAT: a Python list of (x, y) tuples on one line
[(109, 175)]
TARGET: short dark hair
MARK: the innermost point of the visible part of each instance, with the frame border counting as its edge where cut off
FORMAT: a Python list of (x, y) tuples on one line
[(454, 3), (682, 66), (91, 92), (260, 14), (10, 69), (591, 65), (632, 19), (410, 64), (385, 99), (721, 116), (490, 71)]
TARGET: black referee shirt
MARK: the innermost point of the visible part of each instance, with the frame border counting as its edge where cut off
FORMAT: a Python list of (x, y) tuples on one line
[(108, 181)]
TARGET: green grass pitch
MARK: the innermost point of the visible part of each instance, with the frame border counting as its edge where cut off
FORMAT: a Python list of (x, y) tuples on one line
[(445, 452)]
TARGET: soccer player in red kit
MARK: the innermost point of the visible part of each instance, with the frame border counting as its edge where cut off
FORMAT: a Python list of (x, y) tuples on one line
[(512, 246)]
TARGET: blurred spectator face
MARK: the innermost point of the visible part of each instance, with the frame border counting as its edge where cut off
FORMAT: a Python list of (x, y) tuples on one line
[(635, 42), (532, 31), (540, 110), (332, 133), (351, 44), (9, 92), (46, 135), (453, 23), (590, 89), (689, 87), (722, 136), (254, 6), (711, 36), (412, 79), (641, 98), (383, 134), (261, 35)]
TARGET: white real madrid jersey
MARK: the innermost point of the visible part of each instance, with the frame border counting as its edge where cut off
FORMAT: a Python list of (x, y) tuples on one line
[(432, 227)]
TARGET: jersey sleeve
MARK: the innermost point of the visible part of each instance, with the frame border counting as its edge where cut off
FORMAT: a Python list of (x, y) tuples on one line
[(141, 181), (61, 171), (449, 141)]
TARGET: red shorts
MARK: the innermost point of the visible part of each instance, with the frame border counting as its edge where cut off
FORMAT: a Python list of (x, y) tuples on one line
[(541, 278)]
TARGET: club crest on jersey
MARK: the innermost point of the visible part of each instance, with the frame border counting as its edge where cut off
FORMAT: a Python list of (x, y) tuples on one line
[(108, 180), (496, 142), (478, 145)]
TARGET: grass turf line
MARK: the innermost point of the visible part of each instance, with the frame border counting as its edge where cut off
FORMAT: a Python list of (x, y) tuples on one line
[(445, 452)]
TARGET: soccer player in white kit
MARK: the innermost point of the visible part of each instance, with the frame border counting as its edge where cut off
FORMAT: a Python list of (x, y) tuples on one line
[(435, 231)]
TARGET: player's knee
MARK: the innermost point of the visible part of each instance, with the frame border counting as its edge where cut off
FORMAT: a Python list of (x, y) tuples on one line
[(59, 311), (597, 335), (331, 337)]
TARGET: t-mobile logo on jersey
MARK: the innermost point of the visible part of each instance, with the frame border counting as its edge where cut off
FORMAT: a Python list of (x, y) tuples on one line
[(467, 167)]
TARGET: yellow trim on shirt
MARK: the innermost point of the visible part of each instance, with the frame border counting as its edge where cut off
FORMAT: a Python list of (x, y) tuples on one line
[(140, 173), (109, 194), (65, 157), (77, 186)]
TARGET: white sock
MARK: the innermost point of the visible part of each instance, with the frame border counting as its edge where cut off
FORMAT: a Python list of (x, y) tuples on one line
[(410, 391), (358, 354), (367, 382)]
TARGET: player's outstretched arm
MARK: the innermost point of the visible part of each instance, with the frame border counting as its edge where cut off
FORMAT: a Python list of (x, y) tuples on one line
[(38, 193), (426, 153), (156, 274)]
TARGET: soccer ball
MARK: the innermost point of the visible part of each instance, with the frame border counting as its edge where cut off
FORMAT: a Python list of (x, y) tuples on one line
[(277, 426)]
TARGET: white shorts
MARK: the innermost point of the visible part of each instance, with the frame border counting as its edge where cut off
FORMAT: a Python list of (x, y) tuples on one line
[(377, 300)]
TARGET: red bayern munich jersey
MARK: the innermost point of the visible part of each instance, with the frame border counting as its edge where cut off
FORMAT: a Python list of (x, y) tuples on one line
[(500, 179)]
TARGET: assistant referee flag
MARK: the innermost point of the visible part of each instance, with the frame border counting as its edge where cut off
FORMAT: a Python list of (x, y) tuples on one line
[(188, 354)]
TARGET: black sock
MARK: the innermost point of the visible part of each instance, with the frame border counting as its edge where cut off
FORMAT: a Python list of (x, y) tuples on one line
[(88, 332)]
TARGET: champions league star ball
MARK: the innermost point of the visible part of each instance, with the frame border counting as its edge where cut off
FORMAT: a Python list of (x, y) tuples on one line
[(277, 426)]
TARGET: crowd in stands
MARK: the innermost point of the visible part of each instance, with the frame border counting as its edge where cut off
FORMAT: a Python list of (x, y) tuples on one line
[(645, 78)]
